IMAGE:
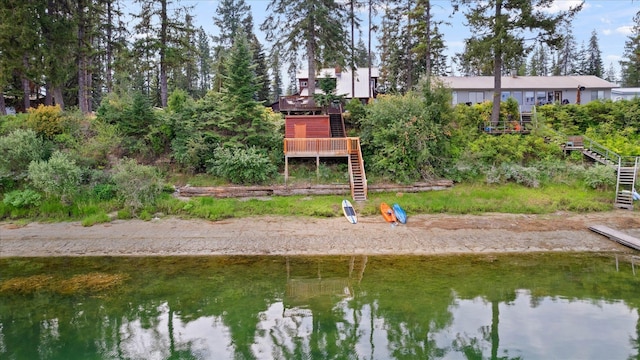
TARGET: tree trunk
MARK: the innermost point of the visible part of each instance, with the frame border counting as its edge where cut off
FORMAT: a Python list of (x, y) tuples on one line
[(109, 48), (369, 48), (353, 60), (164, 91), (311, 61), (82, 60), (408, 49), (3, 106), (497, 68), (57, 96), (48, 97), (26, 90)]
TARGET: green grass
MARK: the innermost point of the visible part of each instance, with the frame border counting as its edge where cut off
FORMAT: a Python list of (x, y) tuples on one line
[(471, 198)]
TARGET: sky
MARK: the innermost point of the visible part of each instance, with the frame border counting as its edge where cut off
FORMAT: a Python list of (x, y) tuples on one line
[(611, 19)]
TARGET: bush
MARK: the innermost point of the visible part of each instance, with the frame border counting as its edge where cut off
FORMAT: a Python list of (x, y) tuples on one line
[(59, 176), (47, 121), (527, 176), (242, 166), (600, 177), (18, 150), (137, 185), (22, 198)]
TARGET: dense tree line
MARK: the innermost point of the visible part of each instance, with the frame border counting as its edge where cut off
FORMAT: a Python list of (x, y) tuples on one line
[(78, 51)]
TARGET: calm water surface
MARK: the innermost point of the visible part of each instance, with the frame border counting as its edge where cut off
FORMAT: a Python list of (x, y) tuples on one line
[(534, 306)]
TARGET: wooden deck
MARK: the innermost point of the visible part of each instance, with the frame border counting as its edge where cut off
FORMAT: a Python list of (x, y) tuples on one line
[(324, 147), (617, 236)]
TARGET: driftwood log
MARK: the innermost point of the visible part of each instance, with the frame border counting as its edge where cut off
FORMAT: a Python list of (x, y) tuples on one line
[(282, 190)]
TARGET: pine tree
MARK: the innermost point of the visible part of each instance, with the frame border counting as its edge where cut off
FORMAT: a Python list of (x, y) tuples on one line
[(611, 74), (276, 83), (244, 121), (318, 29), (630, 66), (593, 59), (204, 62)]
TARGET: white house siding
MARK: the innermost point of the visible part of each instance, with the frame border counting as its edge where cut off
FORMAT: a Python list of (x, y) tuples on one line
[(530, 90)]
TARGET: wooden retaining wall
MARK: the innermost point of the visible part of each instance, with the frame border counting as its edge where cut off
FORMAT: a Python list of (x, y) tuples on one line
[(281, 190)]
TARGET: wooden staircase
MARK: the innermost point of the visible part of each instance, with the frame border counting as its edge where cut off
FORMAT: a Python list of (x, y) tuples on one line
[(627, 170), (337, 125), (626, 185), (357, 176)]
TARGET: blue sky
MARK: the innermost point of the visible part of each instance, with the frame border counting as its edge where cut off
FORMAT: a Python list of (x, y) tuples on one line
[(611, 19)]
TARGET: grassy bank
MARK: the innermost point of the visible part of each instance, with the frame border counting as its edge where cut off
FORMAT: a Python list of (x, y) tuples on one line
[(460, 199)]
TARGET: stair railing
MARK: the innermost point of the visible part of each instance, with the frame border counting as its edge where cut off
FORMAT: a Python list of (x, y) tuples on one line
[(611, 157)]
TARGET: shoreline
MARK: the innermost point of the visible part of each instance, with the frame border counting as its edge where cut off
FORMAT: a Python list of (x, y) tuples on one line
[(278, 236)]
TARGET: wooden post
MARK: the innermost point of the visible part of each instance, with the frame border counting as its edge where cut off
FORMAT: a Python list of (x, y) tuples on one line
[(286, 169), (318, 166)]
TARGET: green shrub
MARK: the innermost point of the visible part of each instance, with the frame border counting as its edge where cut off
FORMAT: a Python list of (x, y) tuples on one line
[(18, 150), (600, 177), (22, 198), (105, 192), (242, 166), (527, 176), (58, 176), (137, 185)]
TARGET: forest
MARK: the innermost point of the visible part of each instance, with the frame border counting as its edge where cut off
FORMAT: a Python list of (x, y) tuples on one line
[(75, 53), (125, 117)]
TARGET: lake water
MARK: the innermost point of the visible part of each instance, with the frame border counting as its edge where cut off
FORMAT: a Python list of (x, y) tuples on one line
[(512, 306)]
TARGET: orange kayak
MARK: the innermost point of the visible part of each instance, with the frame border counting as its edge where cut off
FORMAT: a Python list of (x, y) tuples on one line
[(387, 213)]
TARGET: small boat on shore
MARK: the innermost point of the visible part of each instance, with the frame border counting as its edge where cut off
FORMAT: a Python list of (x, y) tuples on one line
[(387, 213)]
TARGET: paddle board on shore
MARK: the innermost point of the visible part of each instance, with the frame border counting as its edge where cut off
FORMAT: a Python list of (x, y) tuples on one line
[(349, 212), (400, 214)]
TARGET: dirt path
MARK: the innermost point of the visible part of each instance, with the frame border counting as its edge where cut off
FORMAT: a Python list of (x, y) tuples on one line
[(424, 234)]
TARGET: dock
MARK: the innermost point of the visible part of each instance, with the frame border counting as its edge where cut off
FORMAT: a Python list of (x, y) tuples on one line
[(617, 236)]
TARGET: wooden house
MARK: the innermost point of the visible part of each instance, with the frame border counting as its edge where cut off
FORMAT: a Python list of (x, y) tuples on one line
[(310, 134)]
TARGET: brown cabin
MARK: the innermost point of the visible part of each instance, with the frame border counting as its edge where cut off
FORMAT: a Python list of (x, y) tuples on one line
[(308, 134), (307, 126)]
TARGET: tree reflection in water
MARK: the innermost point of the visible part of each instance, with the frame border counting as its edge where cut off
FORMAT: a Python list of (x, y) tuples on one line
[(467, 307)]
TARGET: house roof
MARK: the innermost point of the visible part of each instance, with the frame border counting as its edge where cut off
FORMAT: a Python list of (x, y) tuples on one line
[(626, 91), (527, 82), (343, 80)]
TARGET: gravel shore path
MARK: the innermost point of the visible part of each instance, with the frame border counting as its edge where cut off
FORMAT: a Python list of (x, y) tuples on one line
[(422, 235)]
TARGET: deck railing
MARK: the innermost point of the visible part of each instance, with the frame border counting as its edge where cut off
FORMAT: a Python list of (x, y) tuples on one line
[(297, 103), (317, 146)]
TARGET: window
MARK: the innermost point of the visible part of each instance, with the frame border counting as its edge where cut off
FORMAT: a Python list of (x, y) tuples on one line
[(529, 98), (597, 95), (541, 98), (455, 97), (504, 95), (476, 97)]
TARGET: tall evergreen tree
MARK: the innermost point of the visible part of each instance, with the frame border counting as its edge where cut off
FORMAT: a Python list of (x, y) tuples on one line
[(429, 44), (245, 121), (499, 25), (276, 82), (204, 62), (630, 65), (165, 32), (361, 54), (611, 75), (317, 30), (594, 57)]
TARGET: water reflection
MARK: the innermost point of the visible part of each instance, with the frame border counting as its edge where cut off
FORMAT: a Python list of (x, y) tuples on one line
[(565, 306)]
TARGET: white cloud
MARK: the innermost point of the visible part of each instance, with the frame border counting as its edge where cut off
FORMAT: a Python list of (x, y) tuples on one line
[(607, 32), (624, 30), (558, 6)]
